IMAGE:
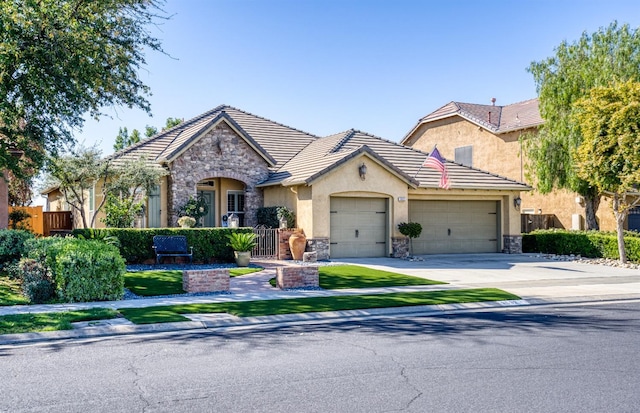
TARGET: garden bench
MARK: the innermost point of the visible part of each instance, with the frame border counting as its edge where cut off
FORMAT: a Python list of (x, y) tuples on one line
[(171, 246)]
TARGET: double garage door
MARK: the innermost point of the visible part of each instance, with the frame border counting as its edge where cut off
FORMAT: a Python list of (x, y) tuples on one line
[(455, 226), (358, 227)]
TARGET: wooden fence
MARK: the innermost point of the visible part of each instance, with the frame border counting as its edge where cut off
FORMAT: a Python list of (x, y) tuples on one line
[(44, 223), (530, 222)]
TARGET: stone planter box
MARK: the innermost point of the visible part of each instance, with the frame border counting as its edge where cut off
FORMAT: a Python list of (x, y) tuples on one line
[(205, 281)]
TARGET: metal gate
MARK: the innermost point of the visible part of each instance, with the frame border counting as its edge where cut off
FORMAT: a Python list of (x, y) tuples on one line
[(267, 246)]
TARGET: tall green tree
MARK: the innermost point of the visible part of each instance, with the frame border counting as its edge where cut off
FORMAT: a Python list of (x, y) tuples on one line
[(171, 122), (611, 54), (124, 140), (608, 157), (63, 59)]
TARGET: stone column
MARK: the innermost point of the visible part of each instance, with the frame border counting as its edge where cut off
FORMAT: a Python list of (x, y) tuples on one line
[(512, 244)]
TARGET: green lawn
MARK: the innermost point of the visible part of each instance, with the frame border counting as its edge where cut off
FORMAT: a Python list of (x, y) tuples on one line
[(24, 323), (165, 314), (166, 282), (333, 277), (10, 292)]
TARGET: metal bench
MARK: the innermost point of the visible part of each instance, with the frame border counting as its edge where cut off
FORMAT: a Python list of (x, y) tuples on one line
[(171, 246)]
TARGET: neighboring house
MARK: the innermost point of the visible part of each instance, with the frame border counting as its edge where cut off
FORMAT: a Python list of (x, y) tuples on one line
[(349, 191), (488, 137)]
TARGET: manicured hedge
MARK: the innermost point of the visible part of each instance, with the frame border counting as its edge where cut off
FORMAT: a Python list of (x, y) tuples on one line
[(591, 244), (136, 245), (12, 244), (82, 270)]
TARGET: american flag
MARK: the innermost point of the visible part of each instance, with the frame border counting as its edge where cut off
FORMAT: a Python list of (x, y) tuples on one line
[(436, 161)]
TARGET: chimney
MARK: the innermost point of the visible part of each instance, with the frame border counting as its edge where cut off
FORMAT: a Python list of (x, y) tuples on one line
[(493, 101)]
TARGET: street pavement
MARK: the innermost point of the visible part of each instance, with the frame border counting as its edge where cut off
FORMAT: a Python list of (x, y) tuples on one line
[(537, 279)]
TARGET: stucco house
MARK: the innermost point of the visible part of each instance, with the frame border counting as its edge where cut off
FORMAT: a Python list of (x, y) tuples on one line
[(488, 137), (349, 191)]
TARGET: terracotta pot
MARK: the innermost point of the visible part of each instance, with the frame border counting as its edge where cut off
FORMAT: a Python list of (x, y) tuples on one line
[(297, 243), (242, 258)]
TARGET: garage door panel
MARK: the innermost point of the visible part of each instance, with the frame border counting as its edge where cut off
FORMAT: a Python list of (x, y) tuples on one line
[(455, 226), (358, 227)]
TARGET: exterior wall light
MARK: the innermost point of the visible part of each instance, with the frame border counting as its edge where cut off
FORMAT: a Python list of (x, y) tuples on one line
[(517, 201), (362, 170)]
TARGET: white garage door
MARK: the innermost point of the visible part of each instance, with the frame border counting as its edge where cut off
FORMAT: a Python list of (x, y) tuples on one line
[(358, 227), (455, 226)]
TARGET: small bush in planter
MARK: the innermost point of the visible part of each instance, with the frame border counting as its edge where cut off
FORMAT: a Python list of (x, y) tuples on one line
[(411, 230), (187, 222)]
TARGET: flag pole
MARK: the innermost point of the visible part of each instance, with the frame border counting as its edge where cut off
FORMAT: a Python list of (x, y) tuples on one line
[(422, 164)]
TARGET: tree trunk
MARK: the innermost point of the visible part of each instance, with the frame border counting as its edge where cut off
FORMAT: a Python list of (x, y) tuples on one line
[(591, 204), (621, 214)]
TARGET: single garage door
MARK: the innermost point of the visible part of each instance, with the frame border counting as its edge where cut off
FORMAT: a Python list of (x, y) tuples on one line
[(455, 226), (358, 227)]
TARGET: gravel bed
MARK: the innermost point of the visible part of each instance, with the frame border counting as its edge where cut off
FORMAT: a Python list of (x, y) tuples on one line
[(128, 295), (595, 261)]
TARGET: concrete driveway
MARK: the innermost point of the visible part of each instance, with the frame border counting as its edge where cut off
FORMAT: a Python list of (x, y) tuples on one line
[(531, 276)]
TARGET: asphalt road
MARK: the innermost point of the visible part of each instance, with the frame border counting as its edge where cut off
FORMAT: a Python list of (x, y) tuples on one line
[(534, 359)]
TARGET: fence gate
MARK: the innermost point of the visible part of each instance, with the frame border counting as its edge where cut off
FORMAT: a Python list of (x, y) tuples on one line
[(267, 246)]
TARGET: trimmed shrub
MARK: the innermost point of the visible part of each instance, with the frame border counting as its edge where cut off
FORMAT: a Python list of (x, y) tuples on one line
[(89, 271), (12, 245), (268, 216), (591, 244), (209, 244), (83, 270), (37, 283)]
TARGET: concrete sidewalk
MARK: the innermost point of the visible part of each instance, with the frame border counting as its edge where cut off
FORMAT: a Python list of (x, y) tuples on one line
[(535, 278)]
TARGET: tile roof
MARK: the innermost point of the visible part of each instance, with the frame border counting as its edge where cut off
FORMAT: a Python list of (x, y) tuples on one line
[(497, 119), (297, 157), (327, 153), (276, 142)]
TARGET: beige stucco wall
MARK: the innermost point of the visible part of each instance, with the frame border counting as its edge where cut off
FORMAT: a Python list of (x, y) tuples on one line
[(502, 155), (345, 181)]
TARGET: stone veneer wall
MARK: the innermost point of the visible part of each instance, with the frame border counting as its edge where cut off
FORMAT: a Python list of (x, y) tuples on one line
[(320, 246), (512, 244), (220, 153), (399, 247)]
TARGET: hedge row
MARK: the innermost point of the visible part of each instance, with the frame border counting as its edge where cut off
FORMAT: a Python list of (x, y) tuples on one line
[(136, 245), (76, 269), (591, 244)]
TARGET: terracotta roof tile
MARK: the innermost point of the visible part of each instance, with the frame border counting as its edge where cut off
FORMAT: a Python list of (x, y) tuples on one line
[(497, 119)]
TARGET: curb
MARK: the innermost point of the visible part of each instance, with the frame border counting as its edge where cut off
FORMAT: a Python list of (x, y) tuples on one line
[(211, 322)]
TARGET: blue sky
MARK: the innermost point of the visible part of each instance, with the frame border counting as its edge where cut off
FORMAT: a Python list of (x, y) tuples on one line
[(324, 66)]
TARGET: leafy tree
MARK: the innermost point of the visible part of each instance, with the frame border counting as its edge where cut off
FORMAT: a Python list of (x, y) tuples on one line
[(611, 54), (127, 191), (76, 175), (62, 59), (80, 174), (608, 157), (171, 122), (149, 131), (124, 140)]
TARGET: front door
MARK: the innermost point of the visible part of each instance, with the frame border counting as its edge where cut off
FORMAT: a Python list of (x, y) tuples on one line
[(209, 197)]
